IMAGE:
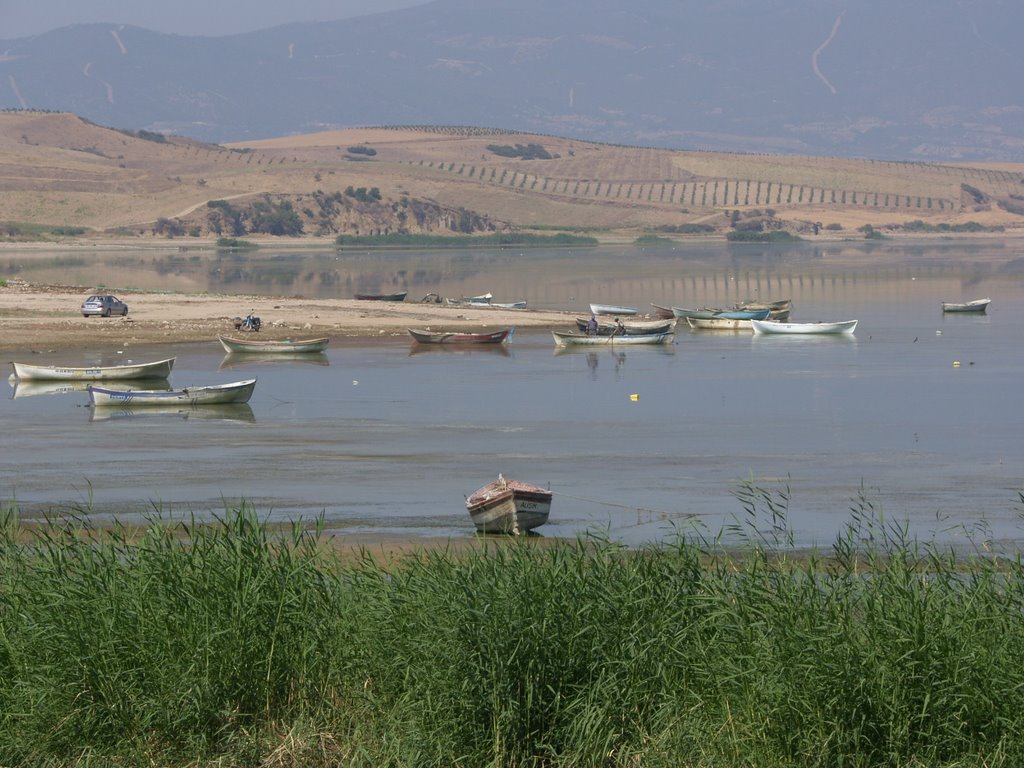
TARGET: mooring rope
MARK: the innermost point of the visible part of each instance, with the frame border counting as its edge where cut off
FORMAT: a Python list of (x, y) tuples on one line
[(624, 506)]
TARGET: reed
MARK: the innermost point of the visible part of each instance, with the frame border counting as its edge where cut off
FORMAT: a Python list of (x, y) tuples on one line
[(238, 643)]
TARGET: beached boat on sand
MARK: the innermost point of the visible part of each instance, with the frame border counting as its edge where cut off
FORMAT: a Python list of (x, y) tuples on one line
[(613, 309), (775, 327), (159, 369), (509, 506), (215, 394), (579, 339), (455, 337), (269, 346), (978, 305), (400, 296)]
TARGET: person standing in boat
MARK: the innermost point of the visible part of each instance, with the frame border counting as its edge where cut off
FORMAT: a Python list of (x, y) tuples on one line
[(592, 326), (620, 329)]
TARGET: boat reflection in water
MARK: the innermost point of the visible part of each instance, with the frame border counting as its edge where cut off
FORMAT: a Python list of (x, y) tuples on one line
[(241, 412), (249, 358), (500, 350), (23, 388)]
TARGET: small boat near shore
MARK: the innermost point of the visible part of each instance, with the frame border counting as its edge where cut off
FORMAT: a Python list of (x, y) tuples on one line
[(796, 329), (613, 309), (159, 369), (563, 339), (284, 346), (633, 327), (457, 337), (718, 324), (978, 305), (509, 506), (400, 296), (665, 313), (214, 394)]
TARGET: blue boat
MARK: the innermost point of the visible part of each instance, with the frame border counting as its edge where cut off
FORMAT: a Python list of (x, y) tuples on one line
[(744, 314)]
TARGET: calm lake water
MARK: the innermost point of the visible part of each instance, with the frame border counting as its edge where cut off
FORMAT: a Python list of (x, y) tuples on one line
[(389, 438)]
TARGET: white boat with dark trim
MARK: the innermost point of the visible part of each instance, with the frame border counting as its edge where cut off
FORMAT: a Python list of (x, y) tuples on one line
[(215, 394), (718, 324), (773, 326), (978, 305), (159, 369), (563, 339), (509, 506), (273, 345), (612, 309)]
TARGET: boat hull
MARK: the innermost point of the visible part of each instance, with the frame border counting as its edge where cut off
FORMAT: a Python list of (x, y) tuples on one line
[(443, 337), (578, 340), (718, 324), (217, 394), (612, 309), (285, 346), (509, 507), (803, 329), (382, 296), (978, 305), (159, 369)]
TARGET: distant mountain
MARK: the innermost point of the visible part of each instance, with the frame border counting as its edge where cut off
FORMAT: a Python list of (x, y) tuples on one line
[(915, 79)]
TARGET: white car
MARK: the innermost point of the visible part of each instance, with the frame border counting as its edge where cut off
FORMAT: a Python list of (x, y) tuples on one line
[(104, 305)]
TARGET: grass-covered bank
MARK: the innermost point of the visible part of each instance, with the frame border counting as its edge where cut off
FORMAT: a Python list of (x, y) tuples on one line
[(234, 644)]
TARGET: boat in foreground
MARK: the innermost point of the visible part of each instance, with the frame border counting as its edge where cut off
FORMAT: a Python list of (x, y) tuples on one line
[(509, 506), (268, 346), (718, 324), (452, 337), (612, 309), (214, 394), (159, 369), (978, 305), (773, 326), (400, 296), (633, 327), (578, 339)]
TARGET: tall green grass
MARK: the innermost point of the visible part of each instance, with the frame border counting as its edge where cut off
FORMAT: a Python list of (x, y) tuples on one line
[(236, 643)]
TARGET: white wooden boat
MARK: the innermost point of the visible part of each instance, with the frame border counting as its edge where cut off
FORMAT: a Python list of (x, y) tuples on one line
[(457, 337), (773, 326), (215, 394), (273, 346), (682, 313), (612, 309), (508, 304), (718, 324), (978, 305), (578, 339), (509, 506), (159, 369)]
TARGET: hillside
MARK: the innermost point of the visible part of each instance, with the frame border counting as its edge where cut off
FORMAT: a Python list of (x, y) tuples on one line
[(935, 80), (60, 171)]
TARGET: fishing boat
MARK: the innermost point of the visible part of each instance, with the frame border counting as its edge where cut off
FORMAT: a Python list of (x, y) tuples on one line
[(633, 327), (578, 339), (400, 296), (978, 305), (509, 506), (508, 304), (769, 305), (612, 309), (776, 327), (159, 369), (682, 313), (743, 314), (718, 324), (455, 337), (483, 298), (271, 346), (665, 313), (215, 394)]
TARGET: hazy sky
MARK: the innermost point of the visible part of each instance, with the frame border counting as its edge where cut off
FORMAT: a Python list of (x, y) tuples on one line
[(19, 18)]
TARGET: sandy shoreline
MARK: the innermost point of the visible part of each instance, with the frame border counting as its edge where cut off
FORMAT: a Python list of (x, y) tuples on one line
[(41, 319)]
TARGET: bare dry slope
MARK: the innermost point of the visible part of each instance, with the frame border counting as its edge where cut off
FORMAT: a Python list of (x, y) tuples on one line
[(59, 170)]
